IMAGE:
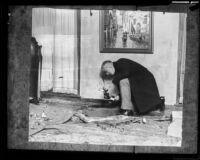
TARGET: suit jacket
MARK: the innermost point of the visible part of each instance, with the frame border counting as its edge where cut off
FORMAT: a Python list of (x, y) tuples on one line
[(144, 91)]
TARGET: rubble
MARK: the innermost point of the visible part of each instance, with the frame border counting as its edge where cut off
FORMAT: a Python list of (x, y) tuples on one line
[(144, 120), (87, 119)]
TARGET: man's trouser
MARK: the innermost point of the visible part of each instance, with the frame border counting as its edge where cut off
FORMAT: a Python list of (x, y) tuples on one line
[(125, 91)]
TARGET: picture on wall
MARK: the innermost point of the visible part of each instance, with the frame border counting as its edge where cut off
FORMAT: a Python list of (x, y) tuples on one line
[(126, 31)]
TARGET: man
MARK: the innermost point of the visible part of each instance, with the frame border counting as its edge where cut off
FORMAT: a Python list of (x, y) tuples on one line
[(138, 89)]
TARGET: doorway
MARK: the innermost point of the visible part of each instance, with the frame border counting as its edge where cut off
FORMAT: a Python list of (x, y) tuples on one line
[(181, 57)]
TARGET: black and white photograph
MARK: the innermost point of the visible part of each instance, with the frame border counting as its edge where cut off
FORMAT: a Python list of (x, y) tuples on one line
[(104, 99), (103, 78)]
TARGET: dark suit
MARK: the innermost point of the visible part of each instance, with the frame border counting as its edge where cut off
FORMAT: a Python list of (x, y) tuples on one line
[(144, 91)]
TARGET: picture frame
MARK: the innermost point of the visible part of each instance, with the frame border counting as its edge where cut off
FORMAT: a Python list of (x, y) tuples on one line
[(126, 31)]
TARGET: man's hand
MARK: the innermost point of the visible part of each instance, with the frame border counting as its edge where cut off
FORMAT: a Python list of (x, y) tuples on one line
[(116, 98)]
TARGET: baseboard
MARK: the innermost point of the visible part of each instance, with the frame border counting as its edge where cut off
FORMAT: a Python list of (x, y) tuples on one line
[(50, 94), (95, 100)]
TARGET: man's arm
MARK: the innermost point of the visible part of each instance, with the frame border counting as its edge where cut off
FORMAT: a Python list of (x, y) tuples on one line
[(120, 76)]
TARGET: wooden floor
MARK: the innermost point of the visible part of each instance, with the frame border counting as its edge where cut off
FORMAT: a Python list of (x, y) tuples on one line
[(53, 121)]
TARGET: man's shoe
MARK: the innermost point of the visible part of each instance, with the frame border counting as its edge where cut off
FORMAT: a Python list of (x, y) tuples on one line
[(127, 112), (34, 101)]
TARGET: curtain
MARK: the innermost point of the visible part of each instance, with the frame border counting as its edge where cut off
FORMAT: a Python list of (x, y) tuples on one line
[(56, 31)]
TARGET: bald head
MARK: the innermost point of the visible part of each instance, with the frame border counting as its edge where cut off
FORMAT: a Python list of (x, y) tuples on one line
[(107, 70)]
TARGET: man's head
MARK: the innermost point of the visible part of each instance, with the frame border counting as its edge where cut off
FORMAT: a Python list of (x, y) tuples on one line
[(107, 70)]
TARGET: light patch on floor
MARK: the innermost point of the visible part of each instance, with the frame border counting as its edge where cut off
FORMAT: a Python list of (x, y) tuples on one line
[(54, 121)]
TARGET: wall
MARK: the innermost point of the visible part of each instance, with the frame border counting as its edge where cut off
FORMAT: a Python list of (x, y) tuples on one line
[(162, 63)]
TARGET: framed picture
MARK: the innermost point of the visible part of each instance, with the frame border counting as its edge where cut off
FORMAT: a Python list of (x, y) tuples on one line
[(126, 31)]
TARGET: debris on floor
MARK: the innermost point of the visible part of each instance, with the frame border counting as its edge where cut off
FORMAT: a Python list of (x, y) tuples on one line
[(40, 118), (67, 121), (117, 118), (144, 120)]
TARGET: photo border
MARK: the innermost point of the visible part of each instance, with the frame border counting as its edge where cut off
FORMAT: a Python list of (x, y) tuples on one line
[(19, 36)]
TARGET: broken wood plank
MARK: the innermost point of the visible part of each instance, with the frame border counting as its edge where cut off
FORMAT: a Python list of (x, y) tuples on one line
[(102, 119), (163, 119), (177, 115), (114, 124), (118, 118), (175, 128)]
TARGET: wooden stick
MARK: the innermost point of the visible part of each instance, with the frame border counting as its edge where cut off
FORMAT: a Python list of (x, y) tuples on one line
[(100, 119)]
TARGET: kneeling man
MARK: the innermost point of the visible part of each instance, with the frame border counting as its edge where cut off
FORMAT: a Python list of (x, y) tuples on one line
[(138, 89)]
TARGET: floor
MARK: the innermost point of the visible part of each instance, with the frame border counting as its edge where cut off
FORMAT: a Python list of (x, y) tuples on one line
[(54, 120)]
